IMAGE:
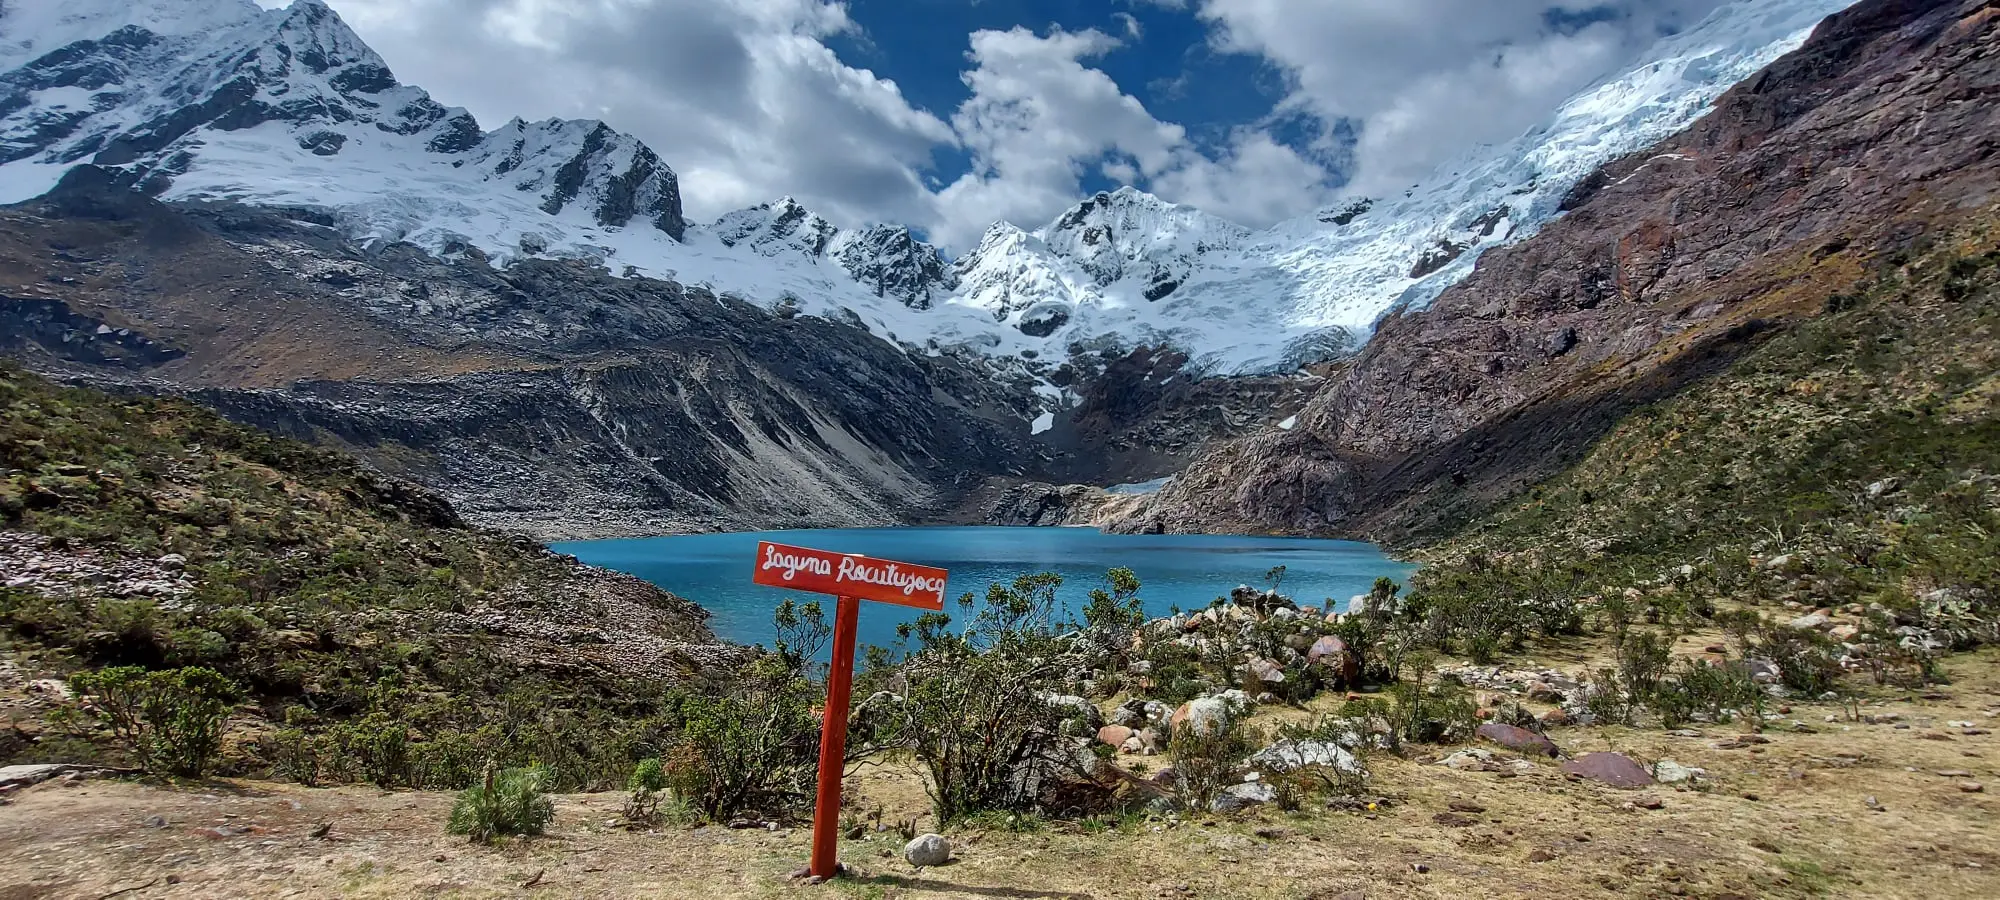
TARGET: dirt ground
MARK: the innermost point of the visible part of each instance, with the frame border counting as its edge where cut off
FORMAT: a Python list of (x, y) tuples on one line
[(1849, 809)]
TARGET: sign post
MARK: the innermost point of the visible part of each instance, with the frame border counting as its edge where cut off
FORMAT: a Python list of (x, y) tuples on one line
[(852, 578)]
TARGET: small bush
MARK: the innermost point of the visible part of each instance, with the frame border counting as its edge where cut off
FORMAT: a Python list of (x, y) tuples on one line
[(1807, 661), (1435, 713), (642, 801), (170, 721), (509, 802), (1715, 690), (1207, 759)]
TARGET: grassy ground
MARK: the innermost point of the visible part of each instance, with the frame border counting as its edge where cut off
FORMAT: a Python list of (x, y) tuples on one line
[(1791, 818)]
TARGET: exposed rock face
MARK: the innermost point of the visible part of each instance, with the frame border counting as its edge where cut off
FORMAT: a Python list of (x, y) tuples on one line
[(892, 262), (1669, 266), (1040, 503), (548, 396), (886, 259)]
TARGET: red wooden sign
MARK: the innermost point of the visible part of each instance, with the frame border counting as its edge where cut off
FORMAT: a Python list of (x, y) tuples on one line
[(852, 578), (849, 575)]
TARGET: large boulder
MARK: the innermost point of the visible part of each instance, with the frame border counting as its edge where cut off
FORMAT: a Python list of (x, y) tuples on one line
[(1327, 646), (1517, 739), (1266, 671), (1614, 769), (1207, 713), (1114, 735)]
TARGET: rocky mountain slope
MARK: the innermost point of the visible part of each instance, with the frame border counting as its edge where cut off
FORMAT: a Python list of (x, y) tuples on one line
[(150, 532), (219, 99), (549, 396), (1878, 132), (524, 320)]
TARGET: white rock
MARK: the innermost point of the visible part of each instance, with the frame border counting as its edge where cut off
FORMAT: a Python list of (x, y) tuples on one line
[(927, 850), (1244, 796), (1667, 771), (1288, 754)]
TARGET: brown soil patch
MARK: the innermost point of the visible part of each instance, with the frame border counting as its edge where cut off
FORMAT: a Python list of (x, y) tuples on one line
[(1809, 831)]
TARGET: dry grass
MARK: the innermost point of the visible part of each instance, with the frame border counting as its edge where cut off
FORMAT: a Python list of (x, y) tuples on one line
[(1786, 819)]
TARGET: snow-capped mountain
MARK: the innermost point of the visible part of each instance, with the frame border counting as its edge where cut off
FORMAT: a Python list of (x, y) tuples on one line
[(289, 106), (1131, 265), (887, 259), (221, 99), (1120, 249)]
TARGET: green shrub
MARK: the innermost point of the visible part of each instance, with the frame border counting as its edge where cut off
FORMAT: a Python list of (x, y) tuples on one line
[(748, 743), (976, 715), (1438, 712), (1643, 659), (642, 794), (1208, 759), (1716, 690), (1807, 661), (171, 721), (511, 802)]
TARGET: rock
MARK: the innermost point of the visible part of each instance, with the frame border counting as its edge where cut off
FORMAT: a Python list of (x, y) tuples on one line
[(1844, 633), (1079, 709), (1556, 718), (1114, 735), (1517, 739), (27, 775), (1469, 760), (1811, 621), (1243, 796), (1454, 820), (927, 850), (1778, 562), (1971, 787), (1762, 671), (1266, 671), (1465, 807), (1614, 769), (1204, 714), (1540, 856), (1648, 801), (1667, 771), (1288, 754), (173, 561)]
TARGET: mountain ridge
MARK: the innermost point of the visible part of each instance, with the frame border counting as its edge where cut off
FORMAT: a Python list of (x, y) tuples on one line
[(311, 118)]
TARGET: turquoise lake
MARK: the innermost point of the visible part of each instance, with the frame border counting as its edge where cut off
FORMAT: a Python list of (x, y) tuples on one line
[(1188, 571)]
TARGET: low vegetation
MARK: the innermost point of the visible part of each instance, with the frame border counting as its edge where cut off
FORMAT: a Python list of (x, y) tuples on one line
[(1826, 513)]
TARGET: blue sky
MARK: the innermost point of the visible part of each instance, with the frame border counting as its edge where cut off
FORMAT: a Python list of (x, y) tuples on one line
[(1166, 61), (950, 115)]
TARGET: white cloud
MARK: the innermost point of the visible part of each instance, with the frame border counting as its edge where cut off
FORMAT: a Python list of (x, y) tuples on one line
[(1036, 119), (1039, 120), (1257, 180), (747, 102), (1427, 79), (742, 97)]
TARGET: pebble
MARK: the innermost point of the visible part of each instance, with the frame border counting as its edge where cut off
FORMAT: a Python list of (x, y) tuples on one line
[(1971, 787)]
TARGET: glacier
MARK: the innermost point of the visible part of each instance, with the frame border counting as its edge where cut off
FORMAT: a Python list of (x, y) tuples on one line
[(224, 100)]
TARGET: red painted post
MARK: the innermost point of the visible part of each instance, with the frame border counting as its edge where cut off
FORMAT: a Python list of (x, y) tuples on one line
[(833, 741)]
